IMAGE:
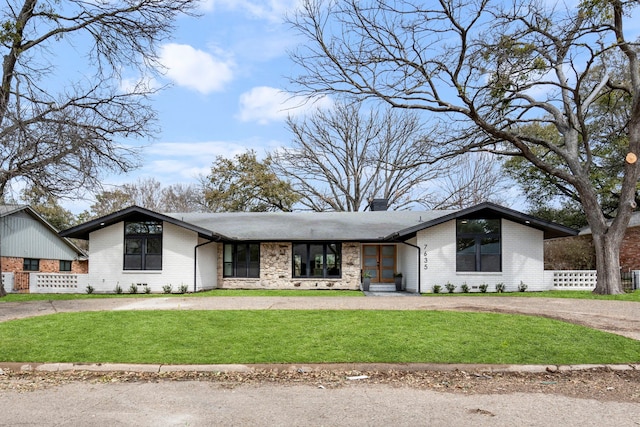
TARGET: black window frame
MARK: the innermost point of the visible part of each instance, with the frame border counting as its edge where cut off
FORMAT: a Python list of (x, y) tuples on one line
[(142, 236), (64, 264), (238, 262), (29, 263), (477, 239), (306, 272)]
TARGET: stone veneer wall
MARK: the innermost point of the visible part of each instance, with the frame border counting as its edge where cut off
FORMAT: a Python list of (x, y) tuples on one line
[(15, 265), (276, 270)]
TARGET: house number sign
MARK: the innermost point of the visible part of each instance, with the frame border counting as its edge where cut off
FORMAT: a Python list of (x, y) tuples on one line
[(425, 260)]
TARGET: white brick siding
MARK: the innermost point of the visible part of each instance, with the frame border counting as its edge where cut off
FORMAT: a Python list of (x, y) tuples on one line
[(522, 259), (106, 265)]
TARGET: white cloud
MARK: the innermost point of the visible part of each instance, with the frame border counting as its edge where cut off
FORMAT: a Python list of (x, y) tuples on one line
[(271, 10), (196, 69), (264, 104)]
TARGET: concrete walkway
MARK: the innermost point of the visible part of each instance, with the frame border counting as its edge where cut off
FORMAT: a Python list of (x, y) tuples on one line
[(618, 317)]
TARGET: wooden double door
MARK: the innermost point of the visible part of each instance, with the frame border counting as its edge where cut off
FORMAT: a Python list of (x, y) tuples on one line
[(379, 261)]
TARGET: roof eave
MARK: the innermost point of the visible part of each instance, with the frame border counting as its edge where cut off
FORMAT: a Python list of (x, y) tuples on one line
[(550, 229), (82, 231)]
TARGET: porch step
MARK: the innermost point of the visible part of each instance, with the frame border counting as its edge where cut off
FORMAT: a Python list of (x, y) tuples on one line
[(382, 287)]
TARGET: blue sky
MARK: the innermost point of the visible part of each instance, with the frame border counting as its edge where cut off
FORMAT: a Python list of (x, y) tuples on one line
[(227, 71), (228, 74)]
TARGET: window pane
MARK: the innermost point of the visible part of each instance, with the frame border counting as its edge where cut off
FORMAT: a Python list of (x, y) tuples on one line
[(387, 274), (490, 245), (228, 269), (228, 252), (388, 250), (300, 260), (153, 262), (143, 227), (334, 259), (371, 250), (478, 226), (241, 260), (466, 255), (132, 246), (133, 262), (154, 246), (316, 257), (65, 265), (490, 262)]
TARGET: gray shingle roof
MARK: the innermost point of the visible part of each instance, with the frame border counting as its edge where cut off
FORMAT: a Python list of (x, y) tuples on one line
[(292, 226)]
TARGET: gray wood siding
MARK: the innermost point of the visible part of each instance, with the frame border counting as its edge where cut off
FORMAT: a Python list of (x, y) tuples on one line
[(22, 236)]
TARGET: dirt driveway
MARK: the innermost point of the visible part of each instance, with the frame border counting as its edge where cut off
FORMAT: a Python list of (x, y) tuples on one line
[(618, 317)]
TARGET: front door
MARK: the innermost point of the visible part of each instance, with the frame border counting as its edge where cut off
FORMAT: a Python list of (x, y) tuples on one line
[(379, 261)]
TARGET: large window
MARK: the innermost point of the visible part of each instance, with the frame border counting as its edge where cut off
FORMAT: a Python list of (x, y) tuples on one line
[(241, 260), (319, 260), (478, 245), (143, 245)]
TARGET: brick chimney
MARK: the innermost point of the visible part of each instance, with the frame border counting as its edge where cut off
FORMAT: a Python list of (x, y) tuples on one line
[(379, 204)]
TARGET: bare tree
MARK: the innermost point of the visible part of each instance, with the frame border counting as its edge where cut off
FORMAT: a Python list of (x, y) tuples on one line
[(343, 157), (474, 178), (487, 70), (147, 193), (59, 134)]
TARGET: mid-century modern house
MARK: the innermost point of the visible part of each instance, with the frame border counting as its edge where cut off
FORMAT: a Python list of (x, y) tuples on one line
[(484, 244), (29, 244)]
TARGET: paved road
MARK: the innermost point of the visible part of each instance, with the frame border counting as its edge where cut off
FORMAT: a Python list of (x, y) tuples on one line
[(619, 317), (207, 404)]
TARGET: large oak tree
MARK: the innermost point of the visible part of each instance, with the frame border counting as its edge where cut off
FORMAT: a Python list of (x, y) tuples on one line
[(487, 70)]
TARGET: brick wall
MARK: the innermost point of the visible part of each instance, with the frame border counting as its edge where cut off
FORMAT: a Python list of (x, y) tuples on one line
[(630, 250), (14, 265), (577, 253)]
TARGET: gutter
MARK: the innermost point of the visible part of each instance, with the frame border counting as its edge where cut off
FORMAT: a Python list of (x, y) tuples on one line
[(394, 238)]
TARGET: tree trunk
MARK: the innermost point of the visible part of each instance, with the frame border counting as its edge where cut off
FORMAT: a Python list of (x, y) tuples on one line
[(2, 291), (607, 248)]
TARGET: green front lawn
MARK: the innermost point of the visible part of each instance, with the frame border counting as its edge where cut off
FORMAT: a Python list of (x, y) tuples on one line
[(629, 296), (306, 336)]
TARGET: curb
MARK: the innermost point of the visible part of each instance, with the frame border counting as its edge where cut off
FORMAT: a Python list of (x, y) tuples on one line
[(409, 367)]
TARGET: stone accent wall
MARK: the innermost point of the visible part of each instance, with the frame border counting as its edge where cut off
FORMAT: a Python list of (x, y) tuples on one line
[(14, 265), (276, 270)]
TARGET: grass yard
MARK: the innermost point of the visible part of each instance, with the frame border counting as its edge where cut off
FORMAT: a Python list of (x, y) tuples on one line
[(221, 337), (629, 296)]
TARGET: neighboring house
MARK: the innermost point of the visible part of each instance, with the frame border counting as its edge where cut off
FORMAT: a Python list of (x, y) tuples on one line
[(29, 244), (630, 247), (483, 244)]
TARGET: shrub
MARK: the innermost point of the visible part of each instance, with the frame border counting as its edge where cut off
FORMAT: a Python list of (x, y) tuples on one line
[(450, 287), (500, 287), (167, 289), (183, 289), (436, 289), (90, 289), (522, 287), (118, 289), (465, 288), (483, 288), (133, 289), (147, 289)]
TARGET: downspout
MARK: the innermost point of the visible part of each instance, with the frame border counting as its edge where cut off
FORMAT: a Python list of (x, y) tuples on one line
[(195, 263), (419, 258)]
